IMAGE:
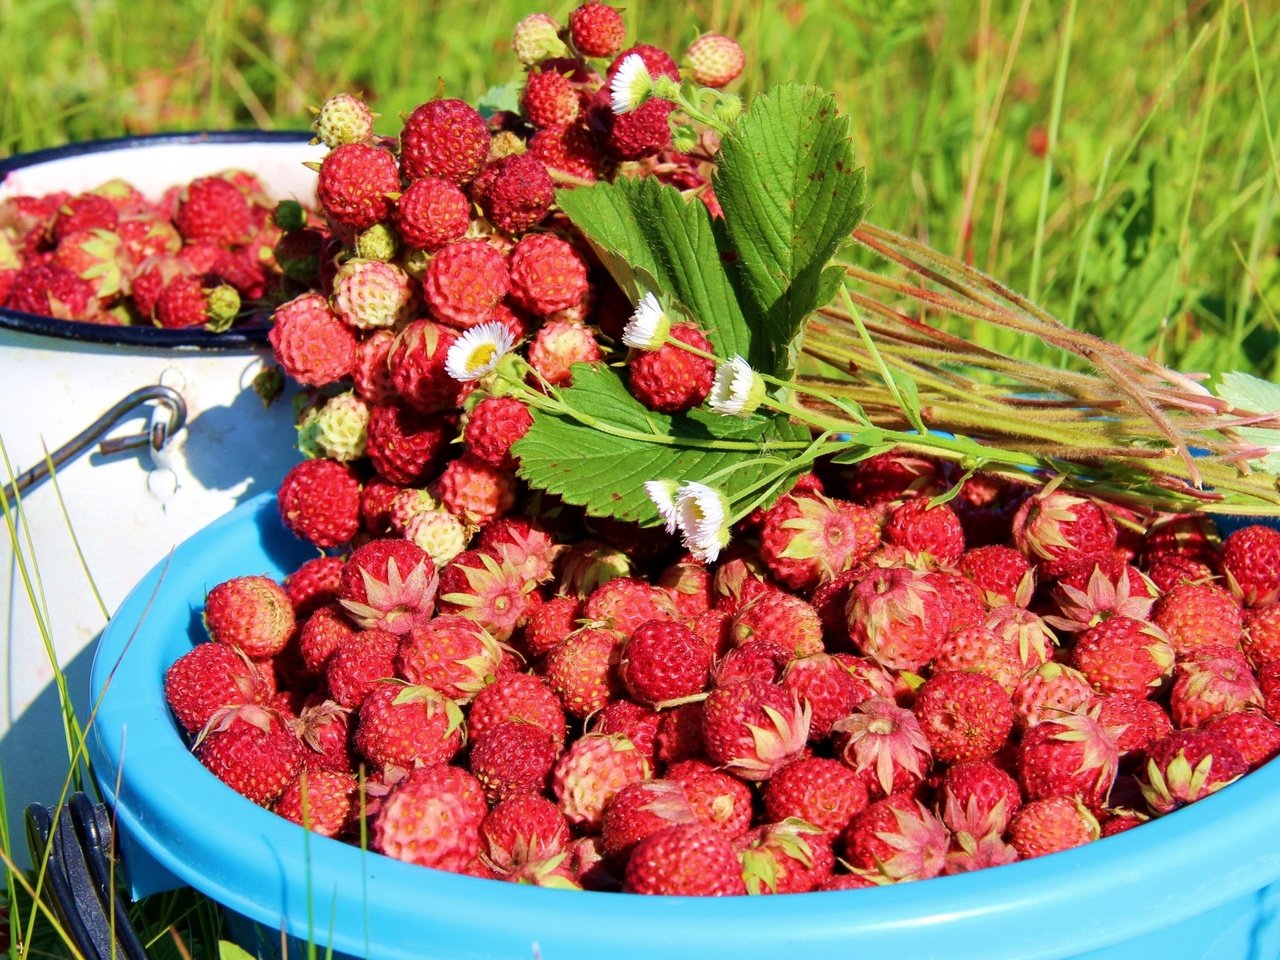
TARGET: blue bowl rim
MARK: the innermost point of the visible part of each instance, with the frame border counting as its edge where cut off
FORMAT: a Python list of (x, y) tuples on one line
[(1220, 850), (237, 338)]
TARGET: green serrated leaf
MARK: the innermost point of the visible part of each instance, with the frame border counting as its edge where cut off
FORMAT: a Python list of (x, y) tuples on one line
[(652, 238), (791, 196), (605, 469), (1245, 392), (500, 99)]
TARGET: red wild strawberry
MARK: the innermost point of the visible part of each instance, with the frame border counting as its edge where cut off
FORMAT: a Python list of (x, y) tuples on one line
[(550, 624), (685, 860), (313, 584), (787, 857), (670, 379), (1084, 602), (444, 138), (186, 302), (1261, 636), (464, 282), (356, 667), (679, 734), (454, 656), (251, 749), (549, 98), (323, 801), (432, 819), (402, 445), (661, 661), (1051, 825), (719, 800), (981, 650), (897, 618), (999, 573), (978, 798), (97, 257), (1251, 564), (214, 210), (320, 502), (417, 364), (634, 721), (883, 743), (407, 726), (897, 837), (557, 346), (751, 728), (761, 659), (1170, 570), (488, 590), (252, 613), (1249, 731), (639, 810), (515, 192), (572, 150), (1135, 723), (1124, 656), (475, 492), (512, 759), (325, 730), (581, 670), (823, 792), (310, 342), (85, 211), (1049, 691), (715, 60), (355, 182), (781, 618), (960, 596), (829, 689), (1188, 765), (524, 830), (626, 602), (1209, 681), (965, 716), (887, 477), (596, 30), (208, 677), (1057, 530), (494, 424), (547, 274), (1027, 632), (431, 212), (1069, 756), (808, 539), (388, 585), (590, 773), (320, 636), (1199, 614), (517, 698), (922, 528)]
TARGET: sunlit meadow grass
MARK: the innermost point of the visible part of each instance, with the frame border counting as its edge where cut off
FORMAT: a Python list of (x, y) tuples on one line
[(1116, 161)]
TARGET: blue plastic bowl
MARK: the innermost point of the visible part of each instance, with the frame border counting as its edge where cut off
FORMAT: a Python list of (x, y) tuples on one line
[(1200, 883)]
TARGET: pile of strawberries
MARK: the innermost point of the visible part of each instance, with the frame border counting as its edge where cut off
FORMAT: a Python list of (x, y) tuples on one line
[(192, 258), (893, 672)]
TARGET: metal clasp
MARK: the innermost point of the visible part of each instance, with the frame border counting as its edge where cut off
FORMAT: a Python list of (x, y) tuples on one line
[(156, 436)]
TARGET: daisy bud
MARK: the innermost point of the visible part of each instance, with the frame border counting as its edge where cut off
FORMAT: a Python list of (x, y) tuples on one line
[(737, 390)]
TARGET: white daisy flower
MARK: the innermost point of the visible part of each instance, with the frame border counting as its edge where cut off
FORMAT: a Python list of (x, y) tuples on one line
[(649, 325), (737, 390), (631, 85), (703, 517), (478, 351), (663, 495)]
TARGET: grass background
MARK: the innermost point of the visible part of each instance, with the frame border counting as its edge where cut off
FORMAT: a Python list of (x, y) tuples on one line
[(1115, 161)]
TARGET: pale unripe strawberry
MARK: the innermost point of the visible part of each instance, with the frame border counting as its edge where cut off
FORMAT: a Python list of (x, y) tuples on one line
[(379, 242), (715, 60), (537, 38), (341, 427), (440, 534), (432, 819), (343, 119), (368, 294), (591, 772), (557, 346)]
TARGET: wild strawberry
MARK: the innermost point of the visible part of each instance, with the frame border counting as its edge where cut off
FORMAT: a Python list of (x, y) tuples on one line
[(920, 528), (1251, 564), (1056, 530), (897, 837), (85, 211), (354, 183), (662, 660), (752, 728), (961, 597), (718, 799), (670, 379), (549, 98), (626, 602), (388, 585), (639, 810), (402, 445), (884, 745), (51, 290), (313, 584), (485, 589), (971, 852), (464, 282), (320, 502), (887, 477), (781, 618), (547, 274), (525, 829), (1209, 681), (787, 857), (453, 655), (1027, 631), (324, 727), (760, 659), (1199, 614), (251, 749), (432, 819), (343, 119), (212, 209), (679, 735), (636, 722), (590, 773), (340, 428), (1051, 825), (808, 539), (715, 60), (370, 372), (550, 624), (252, 613), (494, 424), (432, 212), (186, 302), (407, 726), (1171, 570), (537, 37), (981, 650), (1188, 765), (823, 792), (897, 618), (830, 690), (586, 564), (515, 193), (208, 677), (1048, 692), (572, 150), (596, 30), (1136, 724), (978, 798), (582, 670), (1261, 635), (517, 698), (1124, 656), (446, 139), (368, 294), (97, 257), (356, 667), (1249, 731), (685, 860), (557, 346), (965, 716), (406, 504), (1070, 755), (474, 491), (511, 759), (323, 801), (311, 342)]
